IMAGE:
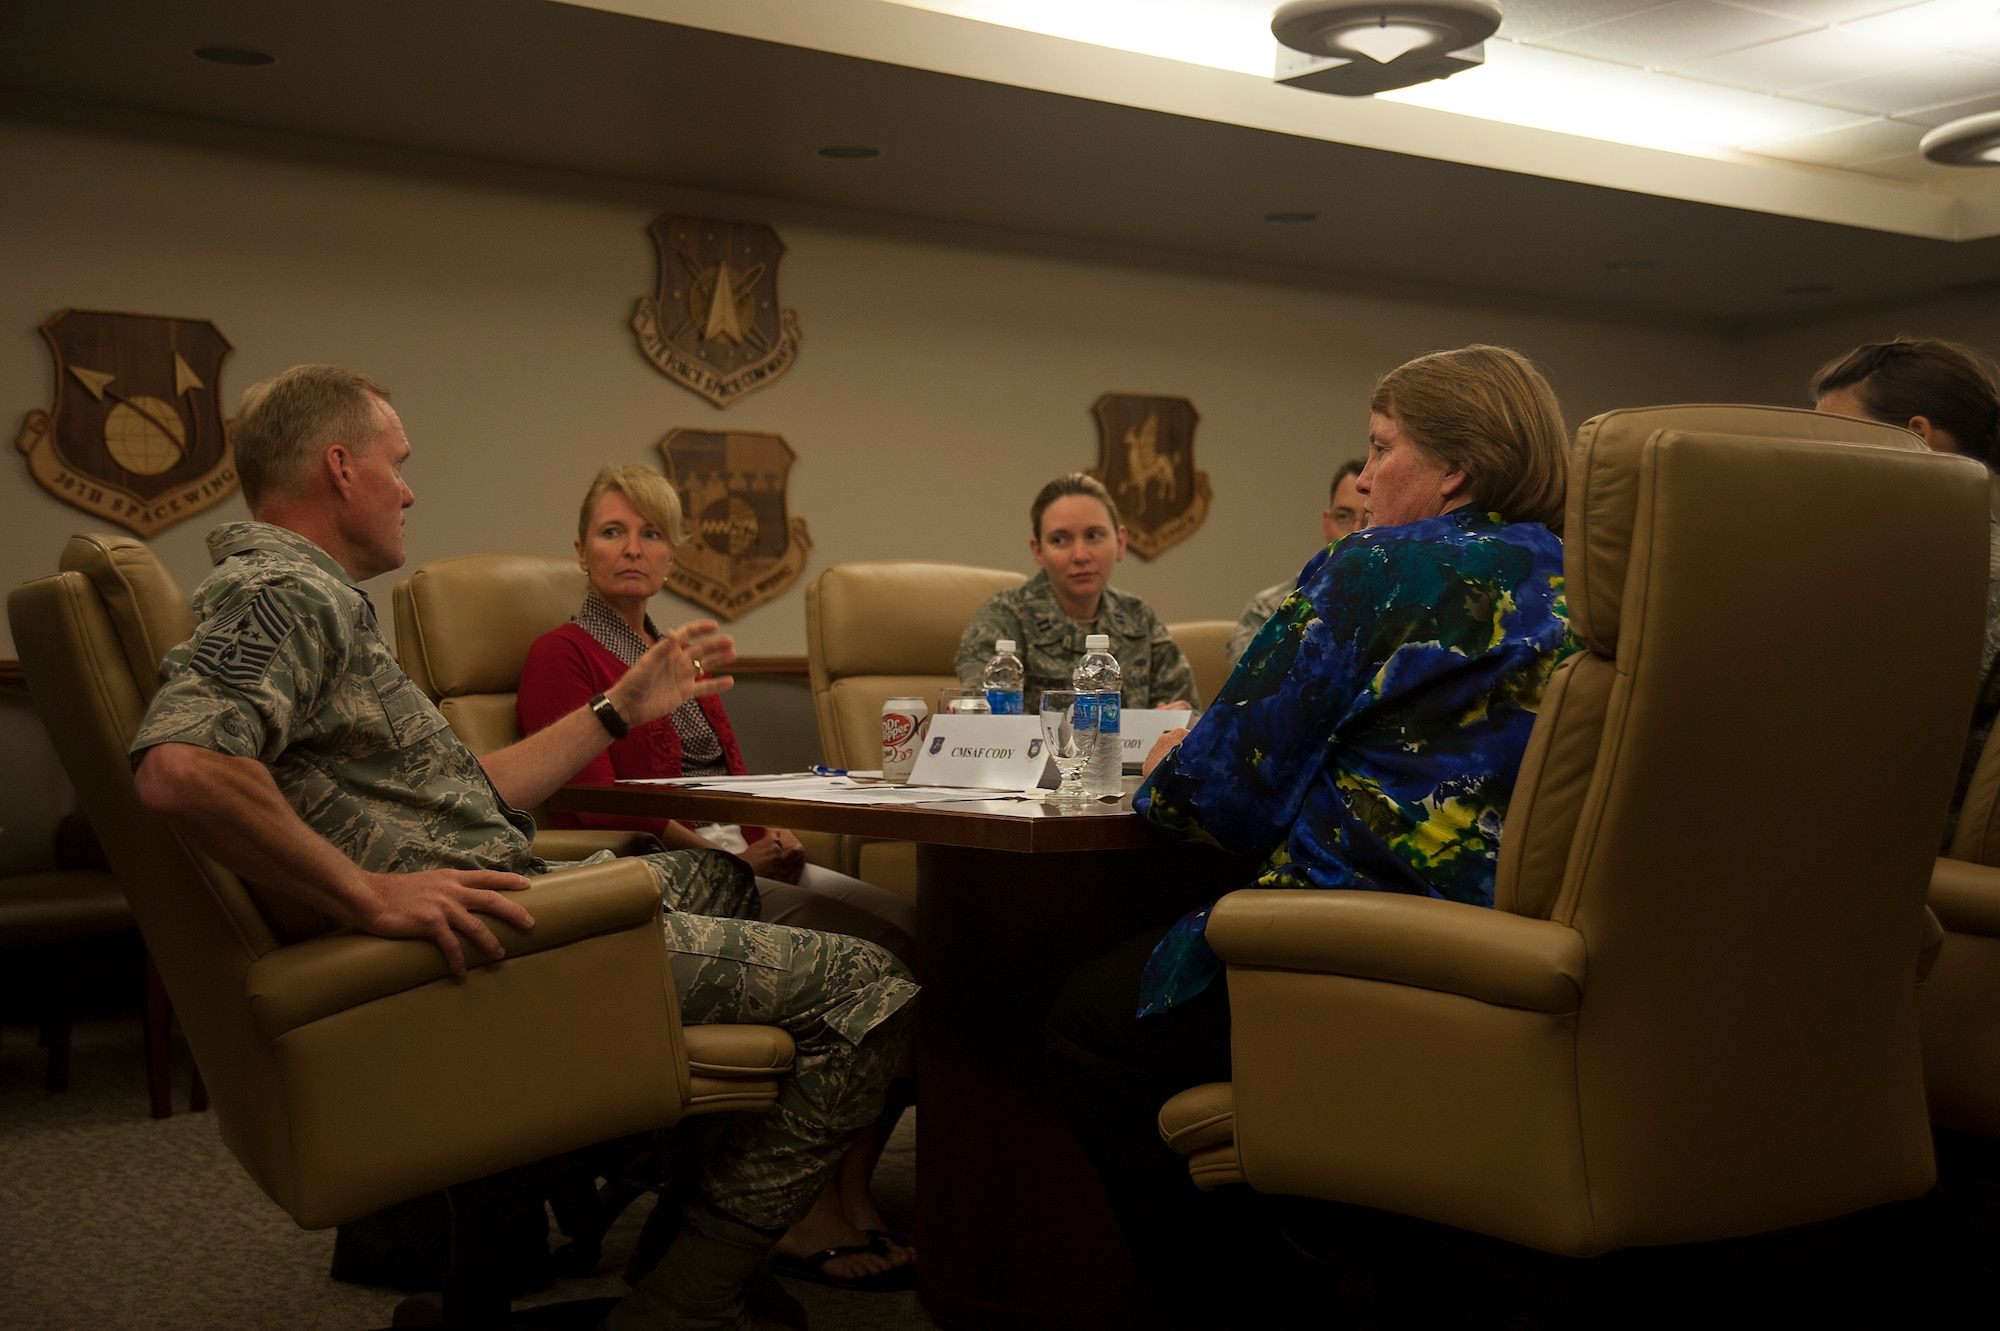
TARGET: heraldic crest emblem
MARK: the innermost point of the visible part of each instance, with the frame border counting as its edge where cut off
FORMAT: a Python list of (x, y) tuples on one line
[(743, 547), (1145, 450), (136, 434), (714, 326)]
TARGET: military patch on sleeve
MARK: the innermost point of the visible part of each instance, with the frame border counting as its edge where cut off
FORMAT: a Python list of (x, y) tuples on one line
[(238, 649)]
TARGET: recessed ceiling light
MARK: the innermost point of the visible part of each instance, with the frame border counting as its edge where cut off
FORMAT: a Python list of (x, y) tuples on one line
[(1628, 265), (849, 152), (1291, 217), (1808, 289), (1973, 141), (244, 56)]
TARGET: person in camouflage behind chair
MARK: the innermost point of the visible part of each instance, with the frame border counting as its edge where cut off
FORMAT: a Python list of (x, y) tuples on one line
[(1077, 538), (286, 739)]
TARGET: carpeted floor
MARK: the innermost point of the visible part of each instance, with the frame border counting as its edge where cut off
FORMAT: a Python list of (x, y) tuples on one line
[(110, 1219)]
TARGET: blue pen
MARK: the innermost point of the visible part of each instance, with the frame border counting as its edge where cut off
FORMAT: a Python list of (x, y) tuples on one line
[(818, 770)]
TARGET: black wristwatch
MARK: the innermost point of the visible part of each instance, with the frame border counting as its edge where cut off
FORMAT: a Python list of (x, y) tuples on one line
[(607, 715)]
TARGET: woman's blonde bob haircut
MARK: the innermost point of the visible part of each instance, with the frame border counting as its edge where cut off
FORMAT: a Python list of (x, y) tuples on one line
[(1488, 412), (645, 489)]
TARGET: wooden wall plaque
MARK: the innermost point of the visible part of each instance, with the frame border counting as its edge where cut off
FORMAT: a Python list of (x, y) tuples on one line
[(136, 434), (713, 325), (743, 545), (1145, 452)]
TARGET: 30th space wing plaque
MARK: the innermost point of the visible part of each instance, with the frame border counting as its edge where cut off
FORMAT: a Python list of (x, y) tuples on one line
[(743, 546), (714, 325), (1145, 449), (136, 434)]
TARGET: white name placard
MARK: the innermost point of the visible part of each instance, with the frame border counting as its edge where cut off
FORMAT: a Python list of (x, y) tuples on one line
[(994, 752), (1139, 727)]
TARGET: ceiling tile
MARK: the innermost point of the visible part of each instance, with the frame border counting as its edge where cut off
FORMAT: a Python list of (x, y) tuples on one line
[(1938, 25), (1807, 60), (1532, 20), (1933, 82), (1932, 117), (1821, 11), (1868, 142), (1674, 34)]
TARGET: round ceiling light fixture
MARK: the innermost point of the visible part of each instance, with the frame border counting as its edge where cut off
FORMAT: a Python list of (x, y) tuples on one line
[(1973, 141), (244, 57), (1384, 33)]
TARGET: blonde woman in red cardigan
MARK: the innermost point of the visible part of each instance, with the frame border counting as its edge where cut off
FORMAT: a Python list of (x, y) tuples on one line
[(626, 534)]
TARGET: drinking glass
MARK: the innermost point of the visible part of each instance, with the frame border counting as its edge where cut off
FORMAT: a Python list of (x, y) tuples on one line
[(963, 700), (1070, 730)]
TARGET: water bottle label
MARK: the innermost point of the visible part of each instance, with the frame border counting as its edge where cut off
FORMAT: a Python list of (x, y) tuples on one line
[(1004, 702), (1086, 711), (1107, 712)]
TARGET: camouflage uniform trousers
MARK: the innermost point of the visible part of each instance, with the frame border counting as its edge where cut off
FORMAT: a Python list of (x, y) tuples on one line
[(843, 1001)]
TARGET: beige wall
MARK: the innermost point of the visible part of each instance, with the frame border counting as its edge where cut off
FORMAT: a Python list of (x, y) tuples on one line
[(941, 379), (1780, 364)]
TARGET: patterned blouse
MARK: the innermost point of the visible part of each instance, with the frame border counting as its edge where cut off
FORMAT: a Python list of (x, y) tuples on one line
[(1372, 735), (701, 747)]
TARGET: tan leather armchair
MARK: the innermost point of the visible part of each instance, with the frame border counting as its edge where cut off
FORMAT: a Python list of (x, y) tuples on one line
[(349, 1071), (1205, 643), (880, 631), (1693, 1013), (1960, 1003), (463, 630)]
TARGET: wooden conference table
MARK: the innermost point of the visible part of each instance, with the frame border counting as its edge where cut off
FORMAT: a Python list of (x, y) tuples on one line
[(1013, 1229)]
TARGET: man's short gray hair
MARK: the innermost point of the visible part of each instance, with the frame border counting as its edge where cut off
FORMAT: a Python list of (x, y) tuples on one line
[(288, 420)]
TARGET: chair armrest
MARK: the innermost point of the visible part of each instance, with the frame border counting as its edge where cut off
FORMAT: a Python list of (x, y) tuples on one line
[(292, 986), (578, 843), (1495, 957), (758, 1052), (1966, 897)]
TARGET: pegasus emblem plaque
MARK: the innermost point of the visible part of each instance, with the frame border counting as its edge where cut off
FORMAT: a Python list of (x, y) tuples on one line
[(1145, 449)]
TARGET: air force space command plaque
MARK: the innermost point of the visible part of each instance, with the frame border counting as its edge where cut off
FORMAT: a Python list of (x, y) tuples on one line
[(714, 326), (1145, 449), (136, 434), (743, 548)]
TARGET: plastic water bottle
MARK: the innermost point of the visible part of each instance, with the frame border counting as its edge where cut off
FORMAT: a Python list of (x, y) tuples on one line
[(1003, 679), (1097, 674)]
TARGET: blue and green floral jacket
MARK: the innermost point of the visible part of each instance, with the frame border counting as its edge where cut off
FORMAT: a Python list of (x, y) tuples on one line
[(1371, 736)]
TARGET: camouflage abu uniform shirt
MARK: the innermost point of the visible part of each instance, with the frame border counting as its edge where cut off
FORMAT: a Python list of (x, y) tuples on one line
[(1262, 606), (1152, 667), (288, 667)]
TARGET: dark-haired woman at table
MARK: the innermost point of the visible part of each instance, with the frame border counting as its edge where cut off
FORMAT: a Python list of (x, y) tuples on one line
[(626, 533), (1369, 739), (1946, 395)]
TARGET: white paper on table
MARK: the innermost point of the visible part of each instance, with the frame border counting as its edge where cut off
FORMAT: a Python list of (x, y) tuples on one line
[(1140, 727), (828, 790)]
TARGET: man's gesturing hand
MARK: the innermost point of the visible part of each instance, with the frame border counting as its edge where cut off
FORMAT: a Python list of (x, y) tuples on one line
[(680, 666), (435, 903)]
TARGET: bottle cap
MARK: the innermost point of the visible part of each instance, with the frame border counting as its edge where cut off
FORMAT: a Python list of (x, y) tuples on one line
[(1004, 647), (1097, 642)]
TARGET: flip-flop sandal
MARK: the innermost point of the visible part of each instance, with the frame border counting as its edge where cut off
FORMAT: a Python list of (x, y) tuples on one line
[(886, 1238), (813, 1268)]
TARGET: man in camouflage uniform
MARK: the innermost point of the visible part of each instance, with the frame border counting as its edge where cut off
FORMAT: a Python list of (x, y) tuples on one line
[(1341, 516), (285, 736), (1077, 539)]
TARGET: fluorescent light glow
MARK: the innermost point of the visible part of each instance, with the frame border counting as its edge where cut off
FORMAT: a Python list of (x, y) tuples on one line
[(1530, 85), (1383, 42), (1525, 85)]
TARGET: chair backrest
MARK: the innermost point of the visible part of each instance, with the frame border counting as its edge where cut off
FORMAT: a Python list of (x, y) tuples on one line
[(879, 631), (91, 639), (1735, 794), (463, 629), (1205, 643)]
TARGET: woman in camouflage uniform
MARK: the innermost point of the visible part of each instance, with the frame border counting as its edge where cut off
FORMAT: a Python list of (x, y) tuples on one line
[(1077, 538)]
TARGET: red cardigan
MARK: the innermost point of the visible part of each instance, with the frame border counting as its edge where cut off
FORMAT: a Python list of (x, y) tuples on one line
[(565, 669)]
